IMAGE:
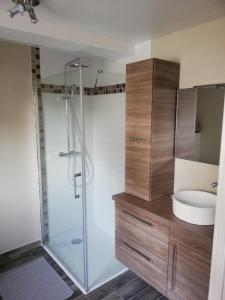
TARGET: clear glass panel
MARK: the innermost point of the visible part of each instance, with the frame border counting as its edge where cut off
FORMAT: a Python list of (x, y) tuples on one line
[(103, 160), (105, 142), (63, 145)]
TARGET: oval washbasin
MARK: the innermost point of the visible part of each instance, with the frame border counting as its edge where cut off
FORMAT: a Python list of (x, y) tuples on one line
[(195, 207)]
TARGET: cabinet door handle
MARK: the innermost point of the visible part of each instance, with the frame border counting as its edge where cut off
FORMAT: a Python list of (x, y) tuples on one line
[(174, 265), (136, 139), (137, 218), (138, 252)]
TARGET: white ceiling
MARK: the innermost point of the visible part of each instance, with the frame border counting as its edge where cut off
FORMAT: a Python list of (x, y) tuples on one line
[(129, 20), (107, 28)]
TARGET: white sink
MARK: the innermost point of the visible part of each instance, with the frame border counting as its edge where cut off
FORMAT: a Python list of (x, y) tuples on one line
[(195, 207)]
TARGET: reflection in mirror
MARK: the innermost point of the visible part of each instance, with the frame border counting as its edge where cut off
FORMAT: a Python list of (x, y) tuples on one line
[(199, 124)]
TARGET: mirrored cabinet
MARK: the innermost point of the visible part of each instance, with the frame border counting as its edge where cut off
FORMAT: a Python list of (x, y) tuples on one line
[(199, 124)]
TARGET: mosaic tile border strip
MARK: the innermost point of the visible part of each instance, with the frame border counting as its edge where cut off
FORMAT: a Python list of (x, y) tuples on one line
[(35, 64), (36, 79), (53, 88), (101, 90), (105, 90)]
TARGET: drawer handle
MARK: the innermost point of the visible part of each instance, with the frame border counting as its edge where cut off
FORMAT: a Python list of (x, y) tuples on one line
[(138, 252), (173, 281), (136, 139), (137, 218)]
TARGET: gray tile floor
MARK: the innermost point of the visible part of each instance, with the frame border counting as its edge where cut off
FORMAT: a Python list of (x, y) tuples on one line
[(124, 287)]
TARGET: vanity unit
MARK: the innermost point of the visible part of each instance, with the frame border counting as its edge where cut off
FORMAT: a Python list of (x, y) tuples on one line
[(171, 255)]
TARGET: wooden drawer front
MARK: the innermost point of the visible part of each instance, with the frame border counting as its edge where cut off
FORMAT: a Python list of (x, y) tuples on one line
[(138, 168), (150, 234), (149, 267)]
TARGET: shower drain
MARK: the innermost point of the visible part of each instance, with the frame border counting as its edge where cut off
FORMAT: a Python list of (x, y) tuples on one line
[(76, 241)]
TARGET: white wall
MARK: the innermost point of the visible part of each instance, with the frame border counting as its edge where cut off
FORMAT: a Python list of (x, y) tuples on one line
[(19, 203), (108, 157), (118, 66), (190, 175), (200, 52), (53, 61)]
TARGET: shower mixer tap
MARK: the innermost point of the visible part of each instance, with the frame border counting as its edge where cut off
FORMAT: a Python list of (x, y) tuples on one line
[(65, 154)]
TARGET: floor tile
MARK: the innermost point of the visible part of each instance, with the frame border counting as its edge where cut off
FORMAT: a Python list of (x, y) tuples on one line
[(127, 286), (132, 288)]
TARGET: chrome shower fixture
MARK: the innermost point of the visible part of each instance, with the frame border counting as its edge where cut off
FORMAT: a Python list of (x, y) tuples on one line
[(25, 6), (75, 63), (99, 71)]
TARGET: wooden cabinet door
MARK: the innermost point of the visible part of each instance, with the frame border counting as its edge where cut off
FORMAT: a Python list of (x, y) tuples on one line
[(150, 127), (139, 78), (137, 168), (189, 266), (138, 127)]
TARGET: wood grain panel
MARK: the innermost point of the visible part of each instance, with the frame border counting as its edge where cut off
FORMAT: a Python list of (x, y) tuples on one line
[(186, 121), (189, 265), (137, 168), (165, 85), (160, 211), (138, 99), (146, 265), (162, 178), (166, 74), (147, 232), (150, 118), (190, 246)]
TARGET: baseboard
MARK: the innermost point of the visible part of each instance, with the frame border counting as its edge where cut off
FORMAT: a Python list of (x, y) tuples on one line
[(18, 251)]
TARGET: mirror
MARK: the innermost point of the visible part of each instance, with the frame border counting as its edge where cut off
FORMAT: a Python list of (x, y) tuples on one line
[(199, 124)]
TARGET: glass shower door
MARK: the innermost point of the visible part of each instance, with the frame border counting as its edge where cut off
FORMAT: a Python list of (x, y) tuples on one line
[(65, 180)]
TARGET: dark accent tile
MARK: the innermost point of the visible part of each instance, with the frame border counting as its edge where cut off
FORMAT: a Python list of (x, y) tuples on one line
[(148, 293), (118, 282), (59, 89), (113, 296), (132, 288)]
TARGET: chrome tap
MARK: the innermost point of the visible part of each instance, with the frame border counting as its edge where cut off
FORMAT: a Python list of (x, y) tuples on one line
[(214, 184)]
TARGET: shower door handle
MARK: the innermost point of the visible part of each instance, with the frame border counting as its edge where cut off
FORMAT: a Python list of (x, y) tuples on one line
[(75, 185)]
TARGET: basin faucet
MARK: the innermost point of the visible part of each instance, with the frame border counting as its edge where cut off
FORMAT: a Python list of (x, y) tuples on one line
[(214, 184)]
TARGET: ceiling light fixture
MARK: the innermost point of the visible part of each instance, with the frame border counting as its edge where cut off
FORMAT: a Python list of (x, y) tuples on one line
[(25, 6)]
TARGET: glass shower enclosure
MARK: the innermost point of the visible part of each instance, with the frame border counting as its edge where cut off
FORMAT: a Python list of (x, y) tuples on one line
[(82, 159)]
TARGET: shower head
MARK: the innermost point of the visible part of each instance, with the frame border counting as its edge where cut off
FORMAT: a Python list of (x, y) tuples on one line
[(99, 71), (25, 6), (75, 63)]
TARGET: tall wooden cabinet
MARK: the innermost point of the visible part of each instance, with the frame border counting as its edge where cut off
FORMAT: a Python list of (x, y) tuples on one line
[(151, 87)]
